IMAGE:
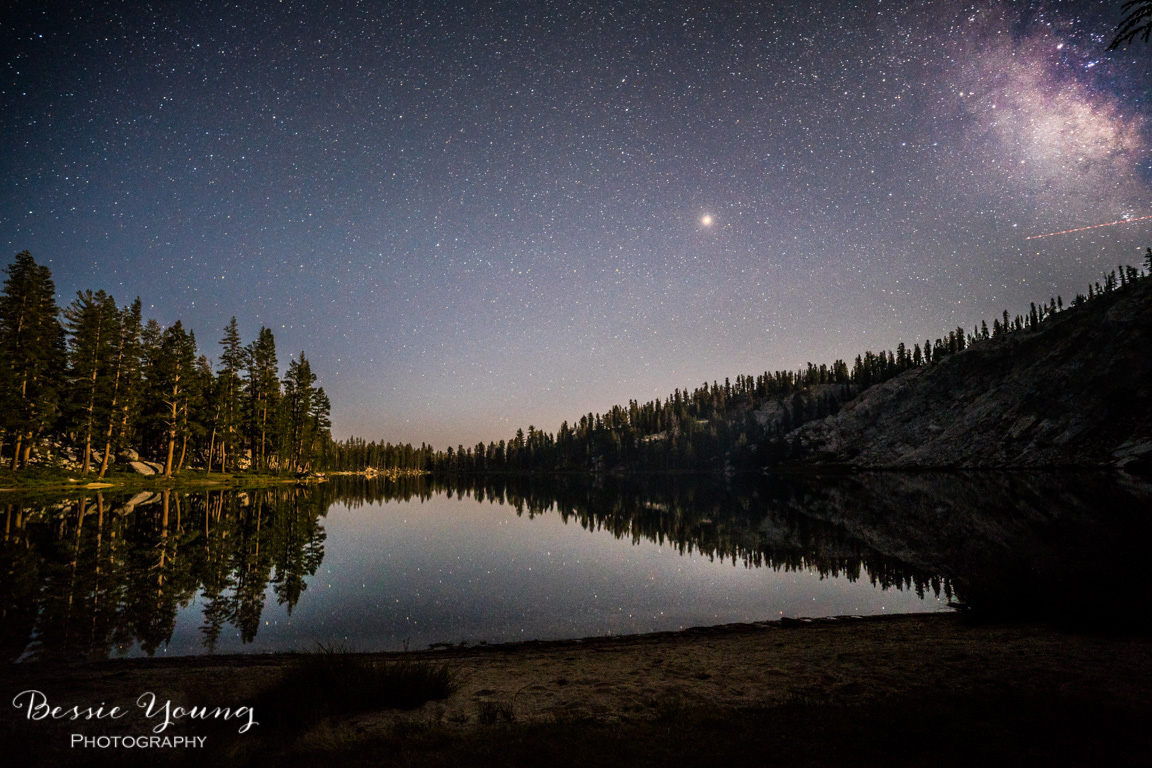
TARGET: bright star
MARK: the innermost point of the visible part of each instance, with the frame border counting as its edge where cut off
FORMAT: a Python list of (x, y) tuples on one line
[(706, 220)]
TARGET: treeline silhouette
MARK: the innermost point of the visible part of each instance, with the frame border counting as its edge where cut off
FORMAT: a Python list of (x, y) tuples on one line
[(99, 575), (735, 425), (92, 383), (82, 386)]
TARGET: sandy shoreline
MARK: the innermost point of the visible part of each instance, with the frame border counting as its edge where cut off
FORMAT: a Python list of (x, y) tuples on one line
[(613, 682), (730, 666)]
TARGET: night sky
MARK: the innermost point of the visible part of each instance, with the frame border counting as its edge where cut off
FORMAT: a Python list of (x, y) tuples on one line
[(476, 217)]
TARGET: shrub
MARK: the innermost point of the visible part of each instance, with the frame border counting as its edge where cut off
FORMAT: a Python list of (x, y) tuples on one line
[(334, 681)]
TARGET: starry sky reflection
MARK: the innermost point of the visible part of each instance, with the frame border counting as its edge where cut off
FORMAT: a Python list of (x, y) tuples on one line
[(412, 573)]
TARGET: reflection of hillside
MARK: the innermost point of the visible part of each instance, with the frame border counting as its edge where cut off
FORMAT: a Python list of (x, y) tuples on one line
[(1058, 545), (1067, 546), (760, 526), (90, 575)]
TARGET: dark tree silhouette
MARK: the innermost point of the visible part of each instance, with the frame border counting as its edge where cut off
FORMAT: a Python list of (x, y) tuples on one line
[(1137, 22), (32, 354)]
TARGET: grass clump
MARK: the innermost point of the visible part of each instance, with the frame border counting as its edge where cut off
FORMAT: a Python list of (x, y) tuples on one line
[(335, 681)]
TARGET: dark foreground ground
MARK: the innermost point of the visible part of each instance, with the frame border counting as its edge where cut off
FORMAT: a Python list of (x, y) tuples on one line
[(911, 690)]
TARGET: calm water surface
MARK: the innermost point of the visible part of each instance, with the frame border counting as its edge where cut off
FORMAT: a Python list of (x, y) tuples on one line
[(384, 565), (451, 570)]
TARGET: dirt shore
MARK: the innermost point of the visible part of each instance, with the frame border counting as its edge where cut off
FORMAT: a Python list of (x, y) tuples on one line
[(846, 665)]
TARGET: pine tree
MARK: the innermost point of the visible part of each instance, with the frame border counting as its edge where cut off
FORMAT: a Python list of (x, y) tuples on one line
[(170, 382), (92, 322), (298, 402), (194, 416), (32, 354), (263, 396), (229, 391), (125, 374), (1137, 23), (321, 422)]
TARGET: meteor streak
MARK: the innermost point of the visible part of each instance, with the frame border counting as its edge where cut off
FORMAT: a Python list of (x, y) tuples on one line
[(1094, 226)]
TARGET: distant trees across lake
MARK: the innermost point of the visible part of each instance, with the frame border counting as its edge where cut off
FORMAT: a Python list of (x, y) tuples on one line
[(82, 386), (738, 424)]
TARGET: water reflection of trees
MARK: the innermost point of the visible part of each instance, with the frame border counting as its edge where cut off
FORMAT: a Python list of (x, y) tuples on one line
[(93, 575), (1061, 546), (762, 524)]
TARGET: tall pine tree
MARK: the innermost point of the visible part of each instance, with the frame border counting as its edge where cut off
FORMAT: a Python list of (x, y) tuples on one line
[(299, 392), (171, 382), (31, 354), (92, 321), (125, 374), (229, 393), (263, 397)]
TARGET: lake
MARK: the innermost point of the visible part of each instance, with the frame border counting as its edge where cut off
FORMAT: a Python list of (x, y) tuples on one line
[(392, 564)]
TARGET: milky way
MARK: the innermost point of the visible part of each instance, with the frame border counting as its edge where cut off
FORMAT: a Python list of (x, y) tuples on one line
[(475, 218)]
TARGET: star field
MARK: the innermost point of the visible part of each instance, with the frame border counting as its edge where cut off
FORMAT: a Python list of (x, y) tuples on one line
[(476, 218)]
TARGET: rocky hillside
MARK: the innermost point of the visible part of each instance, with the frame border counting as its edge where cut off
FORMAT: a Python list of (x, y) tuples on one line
[(1074, 391)]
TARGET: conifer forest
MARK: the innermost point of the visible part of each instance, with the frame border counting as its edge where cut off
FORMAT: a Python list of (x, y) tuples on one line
[(93, 383)]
